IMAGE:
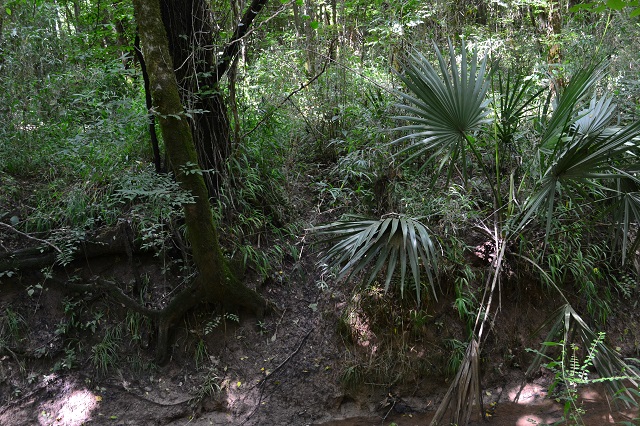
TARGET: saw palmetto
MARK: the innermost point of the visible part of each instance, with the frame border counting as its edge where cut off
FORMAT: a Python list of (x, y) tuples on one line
[(397, 243), (445, 106)]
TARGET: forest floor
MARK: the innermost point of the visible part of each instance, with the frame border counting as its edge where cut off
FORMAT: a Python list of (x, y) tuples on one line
[(283, 370), (80, 359)]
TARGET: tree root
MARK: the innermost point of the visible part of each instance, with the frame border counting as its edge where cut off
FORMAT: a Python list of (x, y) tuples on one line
[(231, 293)]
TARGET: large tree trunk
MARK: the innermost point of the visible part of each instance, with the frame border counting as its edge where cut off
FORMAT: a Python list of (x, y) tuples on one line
[(199, 71), (215, 281), (189, 30)]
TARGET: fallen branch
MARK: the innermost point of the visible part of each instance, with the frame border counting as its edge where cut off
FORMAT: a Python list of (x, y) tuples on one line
[(31, 237), (112, 242), (287, 359)]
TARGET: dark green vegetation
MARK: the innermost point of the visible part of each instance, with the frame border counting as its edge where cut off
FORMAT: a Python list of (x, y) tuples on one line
[(441, 156)]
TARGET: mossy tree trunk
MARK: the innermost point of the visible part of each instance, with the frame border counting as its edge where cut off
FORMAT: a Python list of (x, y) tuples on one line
[(199, 70), (215, 281)]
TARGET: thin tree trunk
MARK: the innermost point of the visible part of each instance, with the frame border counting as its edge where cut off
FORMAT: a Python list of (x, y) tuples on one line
[(232, 75), (310, 38), (155, 146), (297, 22), (554, 57), (123, 43)]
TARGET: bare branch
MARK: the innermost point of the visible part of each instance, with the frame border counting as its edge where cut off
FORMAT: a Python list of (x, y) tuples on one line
[(232, 48), (11, 228)]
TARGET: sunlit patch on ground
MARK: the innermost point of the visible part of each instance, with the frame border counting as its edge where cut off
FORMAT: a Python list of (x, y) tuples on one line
[(589, 394), (529, 420), (72, 406), (527, 394)]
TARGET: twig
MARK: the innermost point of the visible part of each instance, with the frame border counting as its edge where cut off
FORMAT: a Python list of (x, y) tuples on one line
[(393, 404), (261, 383), (275, 333), (287, 359), (11, 228)]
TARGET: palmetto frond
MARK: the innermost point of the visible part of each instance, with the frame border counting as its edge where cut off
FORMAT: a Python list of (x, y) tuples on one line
[(392, 241), (579, 151), (563, 115), (516, 97), (626, 212), (594, 119), (445, 107), (464, 391)]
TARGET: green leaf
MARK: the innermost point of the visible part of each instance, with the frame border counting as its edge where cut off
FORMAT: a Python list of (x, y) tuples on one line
[(567, 325), (314, 25), (6, 9), (300, 2), (635, 12), (582, 6), (616, 4), (445, 106)]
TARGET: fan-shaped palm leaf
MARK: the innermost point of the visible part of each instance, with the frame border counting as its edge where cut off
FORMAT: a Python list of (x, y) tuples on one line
[(391, 241), (591, 153), (446, 107), (516, 97), (595, 118), (561, 120)]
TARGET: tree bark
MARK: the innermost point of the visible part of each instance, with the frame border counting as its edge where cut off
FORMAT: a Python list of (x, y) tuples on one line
[(198, 72), (232, 75), (215, 282), (310, 38), (189, 31), (554, 57)]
